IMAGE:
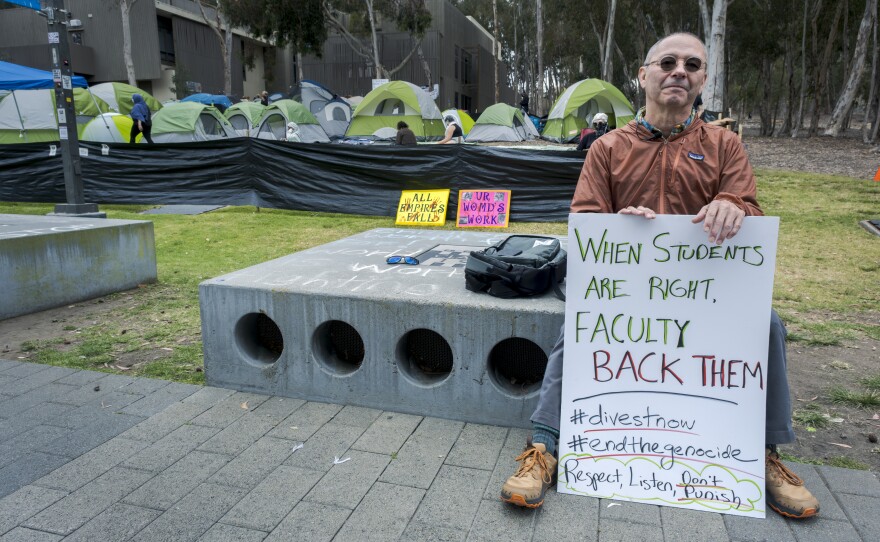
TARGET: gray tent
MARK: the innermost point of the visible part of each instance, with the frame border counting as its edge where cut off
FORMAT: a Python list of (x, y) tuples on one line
[(332, 112), (501, 122)]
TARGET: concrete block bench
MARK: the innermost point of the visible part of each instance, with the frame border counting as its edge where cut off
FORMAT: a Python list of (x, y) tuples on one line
[(51, 261), (337, 323)]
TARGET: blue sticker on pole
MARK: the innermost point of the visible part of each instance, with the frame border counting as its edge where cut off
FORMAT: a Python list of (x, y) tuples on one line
[(33, 4)]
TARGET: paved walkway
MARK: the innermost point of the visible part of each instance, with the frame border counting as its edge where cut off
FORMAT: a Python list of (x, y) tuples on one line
[(98, 457)]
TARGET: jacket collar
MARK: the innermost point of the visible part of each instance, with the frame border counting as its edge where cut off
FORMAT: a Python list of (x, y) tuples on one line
[(676, 130)]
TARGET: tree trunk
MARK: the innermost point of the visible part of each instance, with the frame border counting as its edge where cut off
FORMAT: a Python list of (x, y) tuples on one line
[(225, 43), (227, 64), (607, 67), (495, 49), (539, 21), (789, 78), (380, 69), (873, 90), (822, 70), (707, 23), (125, 10), (799, 120), (844, 103), (425, 66), (713, 92), (299, 66)]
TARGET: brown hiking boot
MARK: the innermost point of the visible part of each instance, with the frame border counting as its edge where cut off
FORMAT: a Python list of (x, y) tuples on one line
[(786, 492), (537, 470)]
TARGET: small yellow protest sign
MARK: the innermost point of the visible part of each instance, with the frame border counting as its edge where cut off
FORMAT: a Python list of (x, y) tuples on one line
[(422, 207)]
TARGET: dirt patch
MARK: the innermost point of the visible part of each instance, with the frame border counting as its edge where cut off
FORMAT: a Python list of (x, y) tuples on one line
[(846, 156), (61, 324), (813, 373), (833, 156)]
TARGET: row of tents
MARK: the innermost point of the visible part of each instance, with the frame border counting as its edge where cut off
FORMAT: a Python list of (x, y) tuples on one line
[(321, 116)]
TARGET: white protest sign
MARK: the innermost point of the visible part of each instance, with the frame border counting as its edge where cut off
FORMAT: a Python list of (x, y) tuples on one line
[(665, 364)]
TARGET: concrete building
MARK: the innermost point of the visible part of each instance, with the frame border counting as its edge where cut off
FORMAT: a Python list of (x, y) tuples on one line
[(174, 51), (456, 50)]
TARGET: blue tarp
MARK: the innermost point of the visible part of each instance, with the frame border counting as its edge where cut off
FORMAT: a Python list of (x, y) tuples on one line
[(15, 77), (219, 101)]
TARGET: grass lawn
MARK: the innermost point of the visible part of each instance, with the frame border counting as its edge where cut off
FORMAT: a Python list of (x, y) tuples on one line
[(828, 271)]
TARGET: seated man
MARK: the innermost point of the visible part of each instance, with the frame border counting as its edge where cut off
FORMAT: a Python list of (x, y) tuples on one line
[(668, 161)]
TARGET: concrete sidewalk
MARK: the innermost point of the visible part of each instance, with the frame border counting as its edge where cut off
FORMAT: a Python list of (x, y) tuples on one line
[(98, 457)]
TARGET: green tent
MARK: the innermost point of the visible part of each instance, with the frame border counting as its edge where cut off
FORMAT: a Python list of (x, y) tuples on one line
[(377, 115), (29, 116), (118, 96), (183, 122), (575, 108), (501, 122), (273, 124), (245, 117)]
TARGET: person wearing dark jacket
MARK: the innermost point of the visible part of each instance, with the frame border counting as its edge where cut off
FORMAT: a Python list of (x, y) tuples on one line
[(405, 136), (142, 121), (589, 135)]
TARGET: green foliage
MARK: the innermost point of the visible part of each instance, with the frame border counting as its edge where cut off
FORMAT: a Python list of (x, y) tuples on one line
[(810, 417), (296, 22), (855, 398), (847, 463), (872, 383)]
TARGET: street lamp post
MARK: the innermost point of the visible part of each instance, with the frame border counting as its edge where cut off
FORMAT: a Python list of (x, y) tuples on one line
[(62, 75)]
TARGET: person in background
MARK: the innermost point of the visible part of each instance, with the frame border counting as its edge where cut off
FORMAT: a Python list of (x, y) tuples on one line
[(524, 103), (589, 135), (292, 133), (405, 136), (454, 133), (655, 165), (142, 120), (264, 98)]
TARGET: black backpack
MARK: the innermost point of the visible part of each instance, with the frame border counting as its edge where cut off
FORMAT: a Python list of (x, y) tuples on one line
[(521, 265)]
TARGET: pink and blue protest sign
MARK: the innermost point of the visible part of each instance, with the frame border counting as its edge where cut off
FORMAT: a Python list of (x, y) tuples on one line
[(483, 208)]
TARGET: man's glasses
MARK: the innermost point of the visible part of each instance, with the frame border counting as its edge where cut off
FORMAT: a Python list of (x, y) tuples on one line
[(408, 260), (669, 63)]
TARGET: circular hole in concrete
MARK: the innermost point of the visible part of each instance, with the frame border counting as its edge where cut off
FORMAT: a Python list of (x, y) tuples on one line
[(424, 356), (517, 365), (259, 337), (338, 346)]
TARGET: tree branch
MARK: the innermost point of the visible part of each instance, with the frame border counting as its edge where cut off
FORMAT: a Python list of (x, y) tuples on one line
[(352, 41), (405, 60), (216, 28)]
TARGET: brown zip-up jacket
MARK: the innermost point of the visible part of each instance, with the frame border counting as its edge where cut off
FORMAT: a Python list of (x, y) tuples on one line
[(678, 176)]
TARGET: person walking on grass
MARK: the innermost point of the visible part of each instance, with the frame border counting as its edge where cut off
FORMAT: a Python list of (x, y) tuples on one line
[(646, 168)]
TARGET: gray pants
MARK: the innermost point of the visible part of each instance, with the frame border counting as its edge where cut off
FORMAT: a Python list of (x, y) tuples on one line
[(778, 429)]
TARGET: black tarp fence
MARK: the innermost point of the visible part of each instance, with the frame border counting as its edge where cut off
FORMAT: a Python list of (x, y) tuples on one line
[(350, 179)]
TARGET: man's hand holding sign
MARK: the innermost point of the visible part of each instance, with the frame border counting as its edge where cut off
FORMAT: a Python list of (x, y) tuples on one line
[(670, 359)]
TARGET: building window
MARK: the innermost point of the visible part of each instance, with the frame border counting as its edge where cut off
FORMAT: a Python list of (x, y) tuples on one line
[(456, 100), (466, 103), (166, 40), (457, 60), (466, 61)]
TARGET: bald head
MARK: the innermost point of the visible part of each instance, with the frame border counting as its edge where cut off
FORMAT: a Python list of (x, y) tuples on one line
[(654, 47)]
